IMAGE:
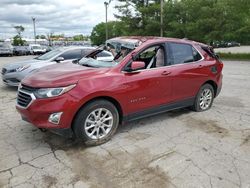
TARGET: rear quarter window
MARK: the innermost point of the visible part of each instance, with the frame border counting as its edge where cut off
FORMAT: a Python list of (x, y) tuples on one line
[(209, 51), (72, 54), (182, 53)]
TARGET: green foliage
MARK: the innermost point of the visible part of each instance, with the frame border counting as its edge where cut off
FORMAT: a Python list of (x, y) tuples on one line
[(19, 29), (232, 56), (80, 38), (201, 20), (17, 41), (98, 34)]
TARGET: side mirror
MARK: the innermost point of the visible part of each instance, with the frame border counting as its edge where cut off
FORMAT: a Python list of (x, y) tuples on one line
[(59, 59), (76, 61), (137, 65)]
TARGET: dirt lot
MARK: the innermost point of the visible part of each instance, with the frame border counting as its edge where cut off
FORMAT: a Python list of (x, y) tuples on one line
[(175, 149)]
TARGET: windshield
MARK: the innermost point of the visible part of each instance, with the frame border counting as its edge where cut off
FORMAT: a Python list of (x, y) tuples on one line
[(36, 47), (49, 55), (90, 62)]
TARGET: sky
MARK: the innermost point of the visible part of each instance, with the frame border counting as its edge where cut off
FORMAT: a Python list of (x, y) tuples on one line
[(69, 17)]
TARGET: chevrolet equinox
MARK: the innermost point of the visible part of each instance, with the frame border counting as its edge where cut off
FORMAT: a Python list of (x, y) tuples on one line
[(88, 99)]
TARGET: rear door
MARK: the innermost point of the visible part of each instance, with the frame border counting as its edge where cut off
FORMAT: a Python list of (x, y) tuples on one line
[(186, 63)]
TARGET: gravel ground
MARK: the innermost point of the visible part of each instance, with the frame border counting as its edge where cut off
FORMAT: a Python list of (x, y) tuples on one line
[(235, 50), (175, 149)]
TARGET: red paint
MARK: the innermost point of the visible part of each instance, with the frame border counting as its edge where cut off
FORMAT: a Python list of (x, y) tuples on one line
[(137, 65)]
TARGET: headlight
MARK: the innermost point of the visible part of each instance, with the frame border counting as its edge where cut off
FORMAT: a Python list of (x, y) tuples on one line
[(19, 69), (52, 92)]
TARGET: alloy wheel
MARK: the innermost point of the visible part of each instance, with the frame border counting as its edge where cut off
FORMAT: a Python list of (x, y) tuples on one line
[(205, 99), (98, 123)]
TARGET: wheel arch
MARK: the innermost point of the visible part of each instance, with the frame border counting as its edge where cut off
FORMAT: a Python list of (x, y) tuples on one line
[(108, 98), (213, 84)]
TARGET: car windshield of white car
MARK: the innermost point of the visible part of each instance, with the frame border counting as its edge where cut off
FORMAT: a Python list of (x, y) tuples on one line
[(36, 47), (90, 62)]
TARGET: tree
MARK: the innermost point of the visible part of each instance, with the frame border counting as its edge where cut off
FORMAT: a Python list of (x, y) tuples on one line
[(80, 38), (98, 34), (140, 17), (17, 40), (201, 20), (19, 29)]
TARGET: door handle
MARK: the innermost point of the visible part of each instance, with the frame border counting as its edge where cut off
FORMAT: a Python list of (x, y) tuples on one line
[(165, 73)]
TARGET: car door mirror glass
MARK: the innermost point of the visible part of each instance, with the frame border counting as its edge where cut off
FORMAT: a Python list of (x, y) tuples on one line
[(137, 65), (59, 59)]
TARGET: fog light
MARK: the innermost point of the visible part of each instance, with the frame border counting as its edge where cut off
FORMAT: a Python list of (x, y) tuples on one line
[(55, 118)]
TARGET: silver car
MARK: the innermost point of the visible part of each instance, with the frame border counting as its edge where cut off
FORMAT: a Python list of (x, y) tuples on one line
[(13, 73), (6, 49)]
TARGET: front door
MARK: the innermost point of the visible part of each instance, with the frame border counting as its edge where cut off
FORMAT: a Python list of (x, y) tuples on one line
[(151, 87)]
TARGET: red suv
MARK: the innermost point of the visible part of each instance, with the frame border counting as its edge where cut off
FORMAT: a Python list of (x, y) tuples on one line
[(149, 75)]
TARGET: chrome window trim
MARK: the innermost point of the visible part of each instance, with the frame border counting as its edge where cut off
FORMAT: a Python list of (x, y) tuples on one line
[(33, 97), (202, 58)]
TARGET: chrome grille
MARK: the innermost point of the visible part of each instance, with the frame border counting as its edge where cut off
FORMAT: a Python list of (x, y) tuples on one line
[(28, 88), (23, 99)]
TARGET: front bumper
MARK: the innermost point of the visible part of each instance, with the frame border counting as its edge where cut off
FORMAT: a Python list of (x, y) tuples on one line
[(39, 111), (219, 85), (11, 82), (6, 53), (14, 78)]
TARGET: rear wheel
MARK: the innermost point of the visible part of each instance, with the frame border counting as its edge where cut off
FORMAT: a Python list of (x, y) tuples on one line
[(204, 98), (96, 122)]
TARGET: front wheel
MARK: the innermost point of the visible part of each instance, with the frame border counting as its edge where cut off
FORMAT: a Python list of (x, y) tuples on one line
[(96, 123), (204, 98)]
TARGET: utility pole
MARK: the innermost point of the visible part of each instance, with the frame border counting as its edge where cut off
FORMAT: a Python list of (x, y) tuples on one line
[(162, 1), (106, 4), (34, 26), (106, 13)]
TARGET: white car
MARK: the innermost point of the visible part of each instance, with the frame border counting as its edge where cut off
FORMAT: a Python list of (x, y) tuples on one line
[(36, 49)]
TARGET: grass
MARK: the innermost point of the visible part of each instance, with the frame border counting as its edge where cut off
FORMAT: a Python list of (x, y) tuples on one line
[(236, 56)]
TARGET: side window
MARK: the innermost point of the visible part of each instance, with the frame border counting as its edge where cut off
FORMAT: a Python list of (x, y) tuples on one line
[(153, 56), (72, 54), (86, 52), (183, 53)]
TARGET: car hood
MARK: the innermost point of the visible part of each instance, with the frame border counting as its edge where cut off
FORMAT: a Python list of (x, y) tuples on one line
[(62, 74), (15, 65)]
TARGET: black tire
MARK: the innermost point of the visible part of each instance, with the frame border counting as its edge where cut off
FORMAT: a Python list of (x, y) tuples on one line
[(197, 106), (84, 113)]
